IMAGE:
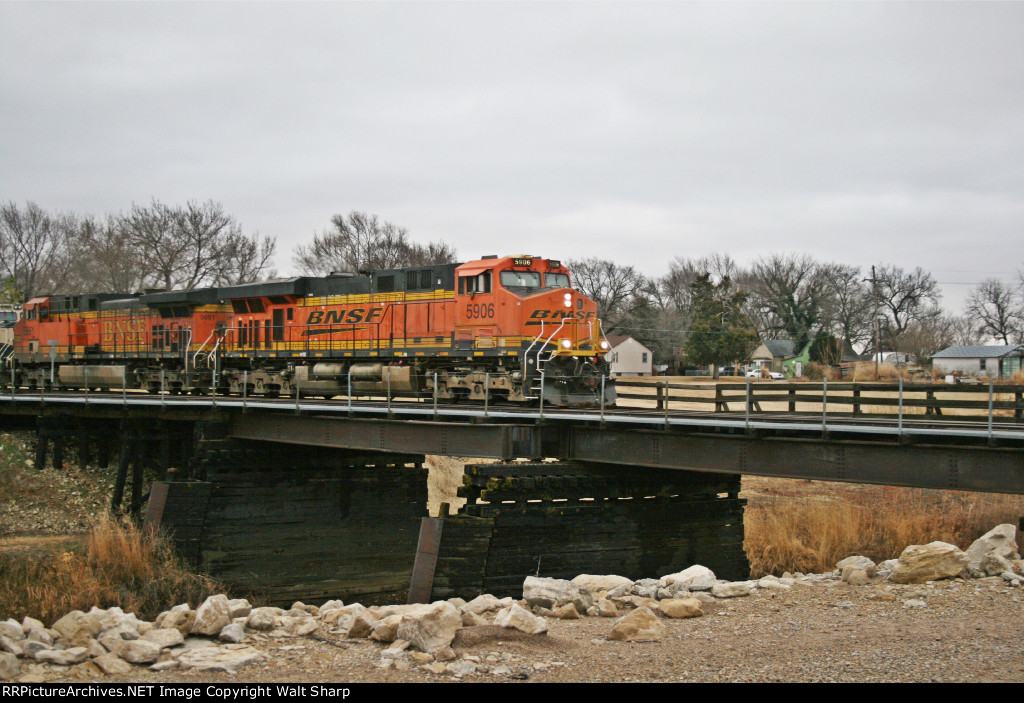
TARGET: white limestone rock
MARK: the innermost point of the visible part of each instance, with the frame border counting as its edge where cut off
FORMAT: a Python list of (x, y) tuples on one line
[(229, 658), (1001, 540), (239, 608), (212, 616), (640, 624), (730, 589), (76, 628), (139, 651), (545, 592), (179, 618), (929, 562), (858, 562), (386, 629), (482, 604), (63, 657), (566, 611), (12, 629), (646, 588), (261, 619), (9, 666), (606, 608), (694, 578), (430, 627), (521, 619), (164, 637), (232, 633), (993, 564), (681, 608), (10, 646), (112, 665), (601, 583), (774, 583), (856, 576)]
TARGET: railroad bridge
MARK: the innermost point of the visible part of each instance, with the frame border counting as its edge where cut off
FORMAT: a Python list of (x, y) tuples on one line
[(311, 499)]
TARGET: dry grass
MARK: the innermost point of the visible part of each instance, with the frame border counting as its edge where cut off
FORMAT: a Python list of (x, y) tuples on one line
[(808, 526), (886, 372), (120, 565)]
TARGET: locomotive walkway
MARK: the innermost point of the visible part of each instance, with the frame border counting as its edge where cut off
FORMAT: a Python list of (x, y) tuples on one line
[(810, 436)]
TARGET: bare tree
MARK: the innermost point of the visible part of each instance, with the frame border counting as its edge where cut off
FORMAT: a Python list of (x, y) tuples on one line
[(924, 337), (998, 309), (245, 259), (108, 262), (195, 245), (790, 297), (852, 305), (618, 290), (905, 297), (964, 331), (363, 242), (34, 250)]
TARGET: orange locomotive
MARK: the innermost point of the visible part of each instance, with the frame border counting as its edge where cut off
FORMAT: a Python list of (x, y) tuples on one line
[(507, 328)]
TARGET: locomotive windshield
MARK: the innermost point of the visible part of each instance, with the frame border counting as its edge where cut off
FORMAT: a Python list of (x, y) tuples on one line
[(531, 280)]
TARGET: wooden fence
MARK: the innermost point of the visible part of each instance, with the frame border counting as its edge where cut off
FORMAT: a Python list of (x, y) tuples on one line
[(974, 401)]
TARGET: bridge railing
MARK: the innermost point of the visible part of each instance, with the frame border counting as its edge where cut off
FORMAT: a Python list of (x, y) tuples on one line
[(854, 398)]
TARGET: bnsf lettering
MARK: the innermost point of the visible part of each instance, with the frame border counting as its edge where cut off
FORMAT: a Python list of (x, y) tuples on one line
[(559, 314), (123, 331), (334, 317)]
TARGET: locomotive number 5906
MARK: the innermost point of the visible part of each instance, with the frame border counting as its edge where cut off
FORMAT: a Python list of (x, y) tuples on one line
[(479, 311)]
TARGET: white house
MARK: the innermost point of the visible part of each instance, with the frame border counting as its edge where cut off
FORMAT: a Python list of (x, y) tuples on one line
[(629, 357), (1000, 361)]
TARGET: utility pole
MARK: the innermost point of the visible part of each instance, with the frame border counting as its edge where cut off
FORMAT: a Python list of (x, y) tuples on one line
[(874, 290)]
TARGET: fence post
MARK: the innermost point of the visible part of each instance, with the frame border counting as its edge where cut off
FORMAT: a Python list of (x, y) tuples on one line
[(991, 399), (899, 428), (660, 394), (746, 407), (435, 395), (824, 405), (350, 388), (664, 402)]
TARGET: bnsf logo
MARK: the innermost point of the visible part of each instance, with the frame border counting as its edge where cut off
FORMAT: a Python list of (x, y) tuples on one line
[(559, 314), (123, 330), (337, 317)]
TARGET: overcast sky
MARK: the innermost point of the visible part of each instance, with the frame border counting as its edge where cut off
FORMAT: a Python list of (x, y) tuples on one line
[(861, 132)]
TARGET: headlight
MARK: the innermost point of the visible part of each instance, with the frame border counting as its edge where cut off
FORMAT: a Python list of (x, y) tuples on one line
[(604, 345), (566, 343), (568, 300)]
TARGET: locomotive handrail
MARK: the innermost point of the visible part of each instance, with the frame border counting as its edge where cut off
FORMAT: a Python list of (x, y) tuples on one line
[(195, 357)]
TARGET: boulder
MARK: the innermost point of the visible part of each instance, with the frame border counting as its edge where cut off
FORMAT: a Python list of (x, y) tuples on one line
[(694, 578), (76, 628), (482, 604), (607, 609), (994, 565), (858, 562), (9, 666), (229, 658), (212, 616), (386, 629), (261, 619), (774, 583), (63, 657), (733, 589), (180, 620), (239, 608), (232, 633), (597, 584), (681, 607), (430, 627), (359, 625), (12, 629), (929, 562), (646, 588), (164, 637), (567, 612), (112, 665), (856, 576), (115, 638), (474, 620), (545, 592), (519, 618), (640, 624), (139, 651), (1001, 540)]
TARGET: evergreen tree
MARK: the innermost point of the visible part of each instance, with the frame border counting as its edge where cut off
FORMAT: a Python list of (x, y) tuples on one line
[(719, 330)]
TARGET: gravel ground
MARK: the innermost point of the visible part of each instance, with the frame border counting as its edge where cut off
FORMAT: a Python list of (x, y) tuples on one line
[(964, 631)]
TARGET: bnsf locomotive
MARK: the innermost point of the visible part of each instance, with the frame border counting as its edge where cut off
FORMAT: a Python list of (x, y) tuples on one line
[(507, 328)]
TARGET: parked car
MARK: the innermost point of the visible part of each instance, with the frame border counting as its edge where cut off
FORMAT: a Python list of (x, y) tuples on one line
[(774, 375)]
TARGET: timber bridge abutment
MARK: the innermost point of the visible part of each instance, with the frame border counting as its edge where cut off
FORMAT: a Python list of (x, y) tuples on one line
[(309, 500)]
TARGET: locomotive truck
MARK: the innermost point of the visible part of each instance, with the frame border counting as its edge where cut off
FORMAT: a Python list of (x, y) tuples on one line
[(506, 328)]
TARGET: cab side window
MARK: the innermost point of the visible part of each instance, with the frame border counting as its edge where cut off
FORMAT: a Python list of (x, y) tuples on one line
[(480, 283)]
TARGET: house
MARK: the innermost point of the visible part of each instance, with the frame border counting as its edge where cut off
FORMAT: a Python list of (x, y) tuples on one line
[(772, 352), (629, 357), (998, 361)]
